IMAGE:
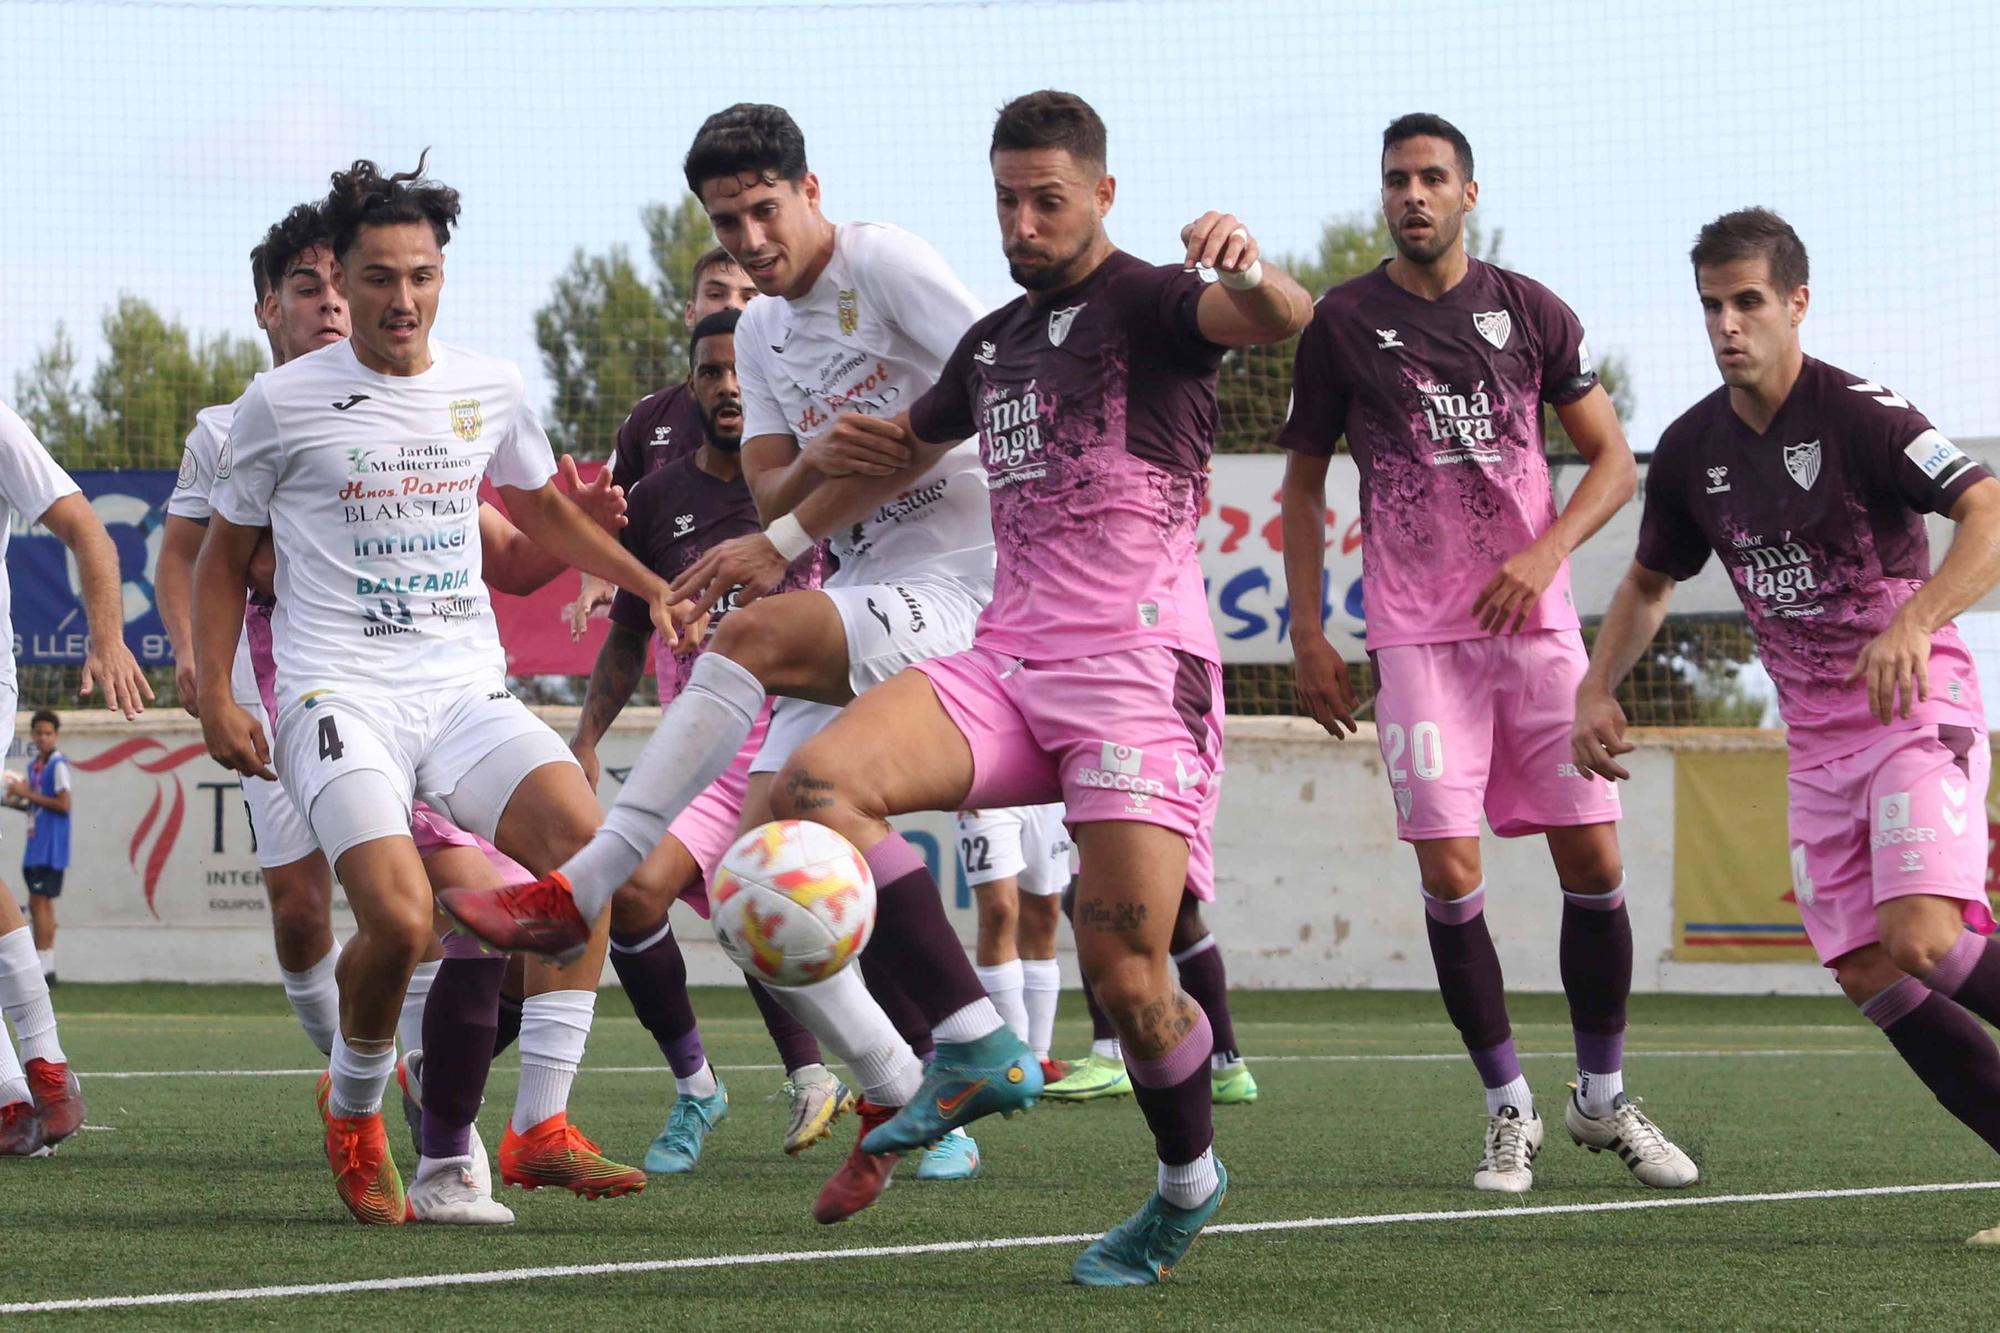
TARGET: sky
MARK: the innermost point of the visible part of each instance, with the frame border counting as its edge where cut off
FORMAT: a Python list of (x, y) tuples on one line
[(146, 146)]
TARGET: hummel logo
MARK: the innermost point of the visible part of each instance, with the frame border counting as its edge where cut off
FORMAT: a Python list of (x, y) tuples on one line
[(985, 354), (352, 399), (1388, 337), (1718, 480)]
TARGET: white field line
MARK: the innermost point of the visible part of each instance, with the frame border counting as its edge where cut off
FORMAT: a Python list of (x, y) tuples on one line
[(1425, 1058), (494, 1276)]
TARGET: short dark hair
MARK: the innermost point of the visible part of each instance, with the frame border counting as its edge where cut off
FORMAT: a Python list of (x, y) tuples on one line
[(750, 138), (711, 326), (713, 258), (45, 715), (1748, 233), (1424, 125), (363, 197), (289, 237), (1050, 119)]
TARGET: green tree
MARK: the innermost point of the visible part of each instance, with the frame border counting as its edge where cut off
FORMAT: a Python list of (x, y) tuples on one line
[(610, 335), (143, 395), (1254, 391)]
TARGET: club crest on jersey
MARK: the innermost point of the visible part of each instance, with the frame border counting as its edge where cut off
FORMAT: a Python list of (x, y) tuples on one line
[(850, 313), (186, 477), (1060, 322), (466, 422), (1494, 325), (1802, 461)]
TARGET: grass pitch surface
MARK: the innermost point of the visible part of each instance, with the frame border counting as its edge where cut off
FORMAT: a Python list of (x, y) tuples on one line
[(193, 1182)]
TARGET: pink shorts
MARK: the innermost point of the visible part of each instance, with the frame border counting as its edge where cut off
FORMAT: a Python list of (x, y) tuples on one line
[(432, 832), (707, 828), (1905, 816), (1484, 725), (1133, 735)]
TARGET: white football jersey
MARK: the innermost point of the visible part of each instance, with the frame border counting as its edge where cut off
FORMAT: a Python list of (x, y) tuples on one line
[(190, 501), (871, 336), (369, 484), (30, 482)]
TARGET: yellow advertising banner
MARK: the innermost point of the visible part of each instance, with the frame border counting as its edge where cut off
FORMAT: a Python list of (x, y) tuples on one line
[(1732, 860)]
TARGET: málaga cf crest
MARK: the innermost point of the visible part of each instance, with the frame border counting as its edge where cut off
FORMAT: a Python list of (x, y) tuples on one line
[(465, 419), (1494, 326), (1802, 461)]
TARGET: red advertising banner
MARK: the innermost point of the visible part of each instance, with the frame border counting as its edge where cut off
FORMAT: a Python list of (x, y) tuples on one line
[(534, 630)]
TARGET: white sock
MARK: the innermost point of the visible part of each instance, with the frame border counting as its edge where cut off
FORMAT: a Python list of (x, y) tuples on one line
[(1595, 1093), (13, 1083), (359, 1077), (848, 1021), (554, 1028), (975, 1020), (1041, 989), (47, 958), (696, 741), (315, 999), (1107, 1049), (410, 1022), (1186, 1186), (703, 1083), (1003, 983), (1514, 1094), (24, 997)]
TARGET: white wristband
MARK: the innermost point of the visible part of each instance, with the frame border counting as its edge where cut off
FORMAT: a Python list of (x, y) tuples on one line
[(790, 537), (1244, 281)]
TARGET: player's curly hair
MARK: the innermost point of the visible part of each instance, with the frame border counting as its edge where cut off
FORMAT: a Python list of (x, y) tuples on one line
[(713, 325), (289, 237), (1748, 233), (1424, 125), (748, 139), (363, 197), (1051, 119)]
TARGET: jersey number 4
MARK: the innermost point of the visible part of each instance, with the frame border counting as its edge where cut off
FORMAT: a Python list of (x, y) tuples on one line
[(329, 740)]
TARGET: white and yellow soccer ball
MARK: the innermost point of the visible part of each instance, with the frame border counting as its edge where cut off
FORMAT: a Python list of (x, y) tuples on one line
[(792, 902)]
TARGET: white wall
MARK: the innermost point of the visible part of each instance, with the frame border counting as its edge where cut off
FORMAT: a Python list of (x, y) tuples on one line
[(1314, 890)]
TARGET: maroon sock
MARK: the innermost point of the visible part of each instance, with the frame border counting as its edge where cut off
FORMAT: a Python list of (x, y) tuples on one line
[(1947, 1048), (655, 975), (1100, 1022), (903, 1011), (508, 1030), (797, 1046), (913, 939), (460, 1015), (1468, 972), (1207, 983), (1970, 975), (1174, 1095), (1596, 953)]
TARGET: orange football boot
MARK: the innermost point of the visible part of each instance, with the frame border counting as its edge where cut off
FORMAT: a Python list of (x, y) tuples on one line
[(556, 1153), (58, 1101), (364, 1173), (539, 918)]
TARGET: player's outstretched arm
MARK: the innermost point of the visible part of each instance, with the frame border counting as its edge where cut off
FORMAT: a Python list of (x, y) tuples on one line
[(110, 663), (1638, 609), (1323, 684), (173, 587), (235, 739), (1896, 662), (1609, 481), (1251, 303), (621, 660)]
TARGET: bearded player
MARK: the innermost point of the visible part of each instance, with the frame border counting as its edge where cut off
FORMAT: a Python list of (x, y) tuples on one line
[(1435, 368), (1810, 485)]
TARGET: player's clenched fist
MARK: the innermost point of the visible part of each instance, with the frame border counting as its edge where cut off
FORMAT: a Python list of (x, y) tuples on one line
[(1218, 241), (235, 740)]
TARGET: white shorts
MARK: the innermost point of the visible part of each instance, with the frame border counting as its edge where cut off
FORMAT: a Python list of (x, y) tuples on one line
[(889, 626), (424, 742), (279, 834), (1028, 843)]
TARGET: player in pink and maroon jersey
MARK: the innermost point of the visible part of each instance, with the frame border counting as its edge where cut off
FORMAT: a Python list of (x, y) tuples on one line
[(1435, 368), (1810, 485)]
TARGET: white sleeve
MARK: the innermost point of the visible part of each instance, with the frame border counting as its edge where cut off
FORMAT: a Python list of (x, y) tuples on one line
[(249, 463), (30, 481), (761, 413), (920, 294), (197, 475), (522, 456), (60, 778)]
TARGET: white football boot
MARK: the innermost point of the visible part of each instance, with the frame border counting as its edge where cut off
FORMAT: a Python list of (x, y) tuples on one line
[(1507, 1165), (1638, 1142), (457, 1193)]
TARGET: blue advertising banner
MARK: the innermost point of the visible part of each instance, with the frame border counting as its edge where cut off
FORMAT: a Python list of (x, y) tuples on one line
[(48, 606)]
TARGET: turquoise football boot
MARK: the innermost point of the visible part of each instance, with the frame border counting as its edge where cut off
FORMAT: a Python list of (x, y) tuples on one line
[(678, 1147), (953, 1157), (996, 1074), (1144, 1248)]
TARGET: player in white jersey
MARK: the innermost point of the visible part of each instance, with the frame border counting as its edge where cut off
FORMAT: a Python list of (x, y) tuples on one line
[(39, 1103), (364, 459), (852, 318), (1016, 860)]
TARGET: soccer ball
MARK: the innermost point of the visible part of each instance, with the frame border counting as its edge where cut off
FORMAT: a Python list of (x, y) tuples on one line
[(792, 902)]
